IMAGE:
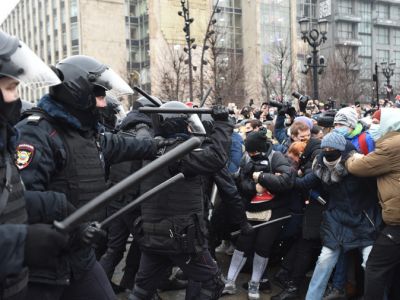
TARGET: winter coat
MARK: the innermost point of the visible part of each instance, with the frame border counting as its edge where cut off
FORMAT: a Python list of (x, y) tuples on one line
[(384, 163), (279, 185), (236, 153), (352, 218)]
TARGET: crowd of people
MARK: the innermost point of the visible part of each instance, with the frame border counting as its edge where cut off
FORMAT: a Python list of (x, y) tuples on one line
[(304, 187)]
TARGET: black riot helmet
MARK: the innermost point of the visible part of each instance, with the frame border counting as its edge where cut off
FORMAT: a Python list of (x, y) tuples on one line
[(83, 78), (168, 124), (144, 102), (112, 113), (19, 62)]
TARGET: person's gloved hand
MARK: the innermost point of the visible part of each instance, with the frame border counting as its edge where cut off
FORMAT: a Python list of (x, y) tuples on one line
[(220, 113), (43, 245), (246, 228), (165, 142), (93, 234)]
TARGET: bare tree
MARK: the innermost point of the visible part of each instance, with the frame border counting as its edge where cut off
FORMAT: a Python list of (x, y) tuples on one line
[(225, 70), (341, 79), (277, 75), (173, 74)]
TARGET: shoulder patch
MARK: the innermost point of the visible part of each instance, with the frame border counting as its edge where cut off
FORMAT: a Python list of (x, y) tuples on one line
[(25, 154)]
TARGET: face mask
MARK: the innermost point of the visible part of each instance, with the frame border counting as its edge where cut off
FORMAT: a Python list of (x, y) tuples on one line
[(332, 155), (288, 122), (10, 111), (375, 131), (343, 131), (258, 157)]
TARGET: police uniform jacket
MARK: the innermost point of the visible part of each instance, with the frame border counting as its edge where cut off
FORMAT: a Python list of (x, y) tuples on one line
[(13, 216), (56, 157), (172, 221)]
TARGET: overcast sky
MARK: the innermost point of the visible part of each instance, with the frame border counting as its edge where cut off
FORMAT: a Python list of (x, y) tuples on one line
[(5, 7)]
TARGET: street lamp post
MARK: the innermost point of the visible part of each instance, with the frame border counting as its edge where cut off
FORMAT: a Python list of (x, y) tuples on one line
[(388, 71), (314, 37)]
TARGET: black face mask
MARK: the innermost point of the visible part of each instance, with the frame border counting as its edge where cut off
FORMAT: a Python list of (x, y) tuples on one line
[(332, 155), (10, 111), (258, 157)]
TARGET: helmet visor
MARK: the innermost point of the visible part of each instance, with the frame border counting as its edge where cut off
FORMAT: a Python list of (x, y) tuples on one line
[(26, 67), (115, 86), (196, 126)]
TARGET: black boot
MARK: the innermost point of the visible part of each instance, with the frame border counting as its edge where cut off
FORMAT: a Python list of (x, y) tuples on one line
[(281, 278), (291, 292)]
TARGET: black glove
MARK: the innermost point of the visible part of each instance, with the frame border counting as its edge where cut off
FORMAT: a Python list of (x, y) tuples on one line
[(220, 113), (165, 142), (43, 245), (94, 235), (246, 228)]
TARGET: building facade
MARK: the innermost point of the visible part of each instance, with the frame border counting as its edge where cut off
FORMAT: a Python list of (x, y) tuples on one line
[(141, 37), (55, 29), (369, 30)]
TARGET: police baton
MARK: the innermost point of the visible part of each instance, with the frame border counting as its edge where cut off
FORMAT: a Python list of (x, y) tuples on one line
[(141, 198), (264, 224), (78, 216), (156, 110), (203, 101), (147, 96)]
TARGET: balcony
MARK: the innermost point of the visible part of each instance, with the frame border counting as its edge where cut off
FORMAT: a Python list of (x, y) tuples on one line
[(353, 42), (347, 18), (389, 1), (386, 22)]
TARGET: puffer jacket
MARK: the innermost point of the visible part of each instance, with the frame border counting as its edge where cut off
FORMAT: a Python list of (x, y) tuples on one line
[(352, 218)]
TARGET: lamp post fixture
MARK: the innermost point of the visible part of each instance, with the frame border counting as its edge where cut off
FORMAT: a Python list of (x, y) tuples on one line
[(190, 45), (314, 37), (388, 71)]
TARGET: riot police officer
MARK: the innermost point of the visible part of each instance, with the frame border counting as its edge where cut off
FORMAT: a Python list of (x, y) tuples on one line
[(172, 224), (65, 156), (20, 246)]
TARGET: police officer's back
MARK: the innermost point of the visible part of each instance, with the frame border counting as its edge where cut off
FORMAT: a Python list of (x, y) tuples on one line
[(172, 221)]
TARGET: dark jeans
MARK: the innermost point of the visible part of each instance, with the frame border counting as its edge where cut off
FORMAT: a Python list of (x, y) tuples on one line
[(153, 267), (94, 285), (382, 263), (301, 257)]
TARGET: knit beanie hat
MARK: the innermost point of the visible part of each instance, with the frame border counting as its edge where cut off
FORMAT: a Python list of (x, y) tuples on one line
[(256, 141), (377, 115), (334, 140), (346, 116), (305, 120)]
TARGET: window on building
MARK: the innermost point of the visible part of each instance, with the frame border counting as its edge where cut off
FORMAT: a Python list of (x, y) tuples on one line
[(366, 18), (74, 31), (382, 35), (366, 68), (345, 30), (307, 8), (366, 47), (396, 57), (382, 11), (345, 7), (75, 50), (395, 12), (74, 8), (382, 55), (395, 37), (134, 33)]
